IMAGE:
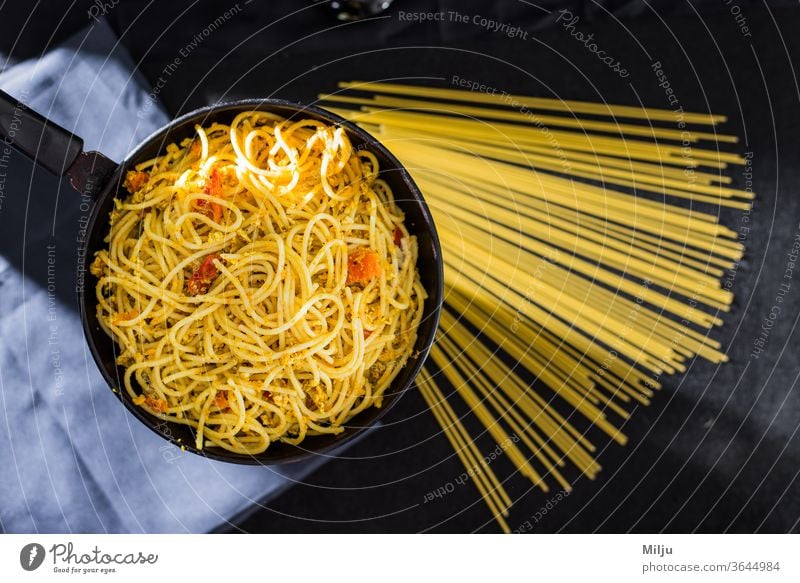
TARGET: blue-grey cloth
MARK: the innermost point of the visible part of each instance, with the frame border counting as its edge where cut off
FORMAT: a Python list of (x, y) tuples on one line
[(71, 458)]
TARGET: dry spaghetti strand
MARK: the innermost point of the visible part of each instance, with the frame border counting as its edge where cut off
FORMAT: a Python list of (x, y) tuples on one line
[(591, 290)]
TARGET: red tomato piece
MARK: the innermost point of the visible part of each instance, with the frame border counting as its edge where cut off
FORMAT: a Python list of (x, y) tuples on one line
[(363, 265), (203, 276)]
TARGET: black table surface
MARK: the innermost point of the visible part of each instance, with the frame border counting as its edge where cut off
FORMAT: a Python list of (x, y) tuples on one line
[(718, 449)]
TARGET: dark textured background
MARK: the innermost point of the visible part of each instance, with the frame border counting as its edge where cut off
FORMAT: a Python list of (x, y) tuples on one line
[(718, 449)]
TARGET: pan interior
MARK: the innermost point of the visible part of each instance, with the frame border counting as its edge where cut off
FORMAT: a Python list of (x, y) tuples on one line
[(418, 222)]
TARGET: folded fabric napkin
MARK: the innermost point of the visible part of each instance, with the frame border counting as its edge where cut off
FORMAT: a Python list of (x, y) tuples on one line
[(72, 459)]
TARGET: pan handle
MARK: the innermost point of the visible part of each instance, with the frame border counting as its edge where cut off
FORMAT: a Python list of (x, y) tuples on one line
[(52, 147)]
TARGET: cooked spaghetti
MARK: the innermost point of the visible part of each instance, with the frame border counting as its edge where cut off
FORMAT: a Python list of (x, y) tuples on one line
[(260, 282)]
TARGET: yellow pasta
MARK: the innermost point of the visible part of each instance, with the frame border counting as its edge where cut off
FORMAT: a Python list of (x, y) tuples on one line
[(531, 102), (260, 282), (591, 290)]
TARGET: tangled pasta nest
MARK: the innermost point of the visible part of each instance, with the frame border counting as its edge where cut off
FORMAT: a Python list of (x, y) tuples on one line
[(260, 282)]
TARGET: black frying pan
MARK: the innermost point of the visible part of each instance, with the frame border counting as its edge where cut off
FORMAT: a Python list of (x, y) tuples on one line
[(61, 152)]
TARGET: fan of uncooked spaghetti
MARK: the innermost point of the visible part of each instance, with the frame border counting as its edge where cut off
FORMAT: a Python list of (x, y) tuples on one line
[(582, 248)]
